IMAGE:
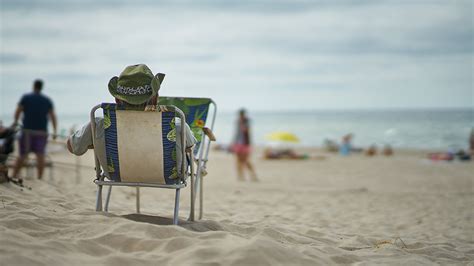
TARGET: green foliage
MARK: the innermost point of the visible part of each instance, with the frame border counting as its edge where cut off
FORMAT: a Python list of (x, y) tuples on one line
[(110, 166), (174, 173), (107, 122), (172, 135)]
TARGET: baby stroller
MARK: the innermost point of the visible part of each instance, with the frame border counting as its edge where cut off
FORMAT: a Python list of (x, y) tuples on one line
[(7, 138)]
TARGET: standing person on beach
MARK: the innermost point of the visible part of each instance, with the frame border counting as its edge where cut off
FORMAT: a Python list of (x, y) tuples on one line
[(242, 147), (36, 109)]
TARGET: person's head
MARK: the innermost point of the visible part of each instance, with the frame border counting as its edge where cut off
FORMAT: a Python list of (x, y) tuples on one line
[(347, 138), (37, 85), (136, 87), (242, 112)]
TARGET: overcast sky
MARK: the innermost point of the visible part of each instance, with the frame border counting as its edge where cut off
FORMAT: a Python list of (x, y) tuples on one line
[(260, 54)]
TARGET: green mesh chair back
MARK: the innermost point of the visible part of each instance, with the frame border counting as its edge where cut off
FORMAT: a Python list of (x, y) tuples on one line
[(196, 111)]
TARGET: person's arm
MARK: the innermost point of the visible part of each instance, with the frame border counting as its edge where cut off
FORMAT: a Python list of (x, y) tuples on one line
[(80, 141), (52, 116), (18, 111)]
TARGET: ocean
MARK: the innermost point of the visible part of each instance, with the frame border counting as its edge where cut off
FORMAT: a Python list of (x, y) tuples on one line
[(420, 129)]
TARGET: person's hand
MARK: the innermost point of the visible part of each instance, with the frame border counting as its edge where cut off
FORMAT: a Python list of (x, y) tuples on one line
[(209, 133), (150, 108)]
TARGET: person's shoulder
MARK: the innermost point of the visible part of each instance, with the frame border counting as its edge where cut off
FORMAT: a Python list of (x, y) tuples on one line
[(44, 96), (27, 95)]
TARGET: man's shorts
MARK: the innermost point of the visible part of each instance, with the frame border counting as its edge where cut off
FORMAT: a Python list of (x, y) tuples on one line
[(33, 143)]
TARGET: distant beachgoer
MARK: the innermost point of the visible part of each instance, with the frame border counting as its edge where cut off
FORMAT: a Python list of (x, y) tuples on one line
[(387, 150), (36, 109), (471, 142), (346, 145), (441, 156), (81, 140), (330, 145), (272, 154), (463, 156), (371, 151), (242, 147)]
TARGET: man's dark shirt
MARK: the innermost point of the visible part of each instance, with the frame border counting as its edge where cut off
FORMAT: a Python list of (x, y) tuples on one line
[(35, 111)]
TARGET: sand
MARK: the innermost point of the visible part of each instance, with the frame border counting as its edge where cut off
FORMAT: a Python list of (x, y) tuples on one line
[(340, 210)]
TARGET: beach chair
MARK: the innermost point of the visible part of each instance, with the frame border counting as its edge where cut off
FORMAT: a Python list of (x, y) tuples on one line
[(197, 112), (141, 152)]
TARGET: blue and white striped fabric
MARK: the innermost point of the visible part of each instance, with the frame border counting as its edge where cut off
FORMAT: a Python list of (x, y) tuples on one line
[(140, 146)]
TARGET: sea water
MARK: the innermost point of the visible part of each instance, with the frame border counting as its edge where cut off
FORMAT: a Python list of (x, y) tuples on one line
[(422, 129)]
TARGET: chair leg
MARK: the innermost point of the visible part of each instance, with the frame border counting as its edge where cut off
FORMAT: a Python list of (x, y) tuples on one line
[(176, 207), (138, 200), (201, 197), (98, 203), (193, 184), (107, 199)]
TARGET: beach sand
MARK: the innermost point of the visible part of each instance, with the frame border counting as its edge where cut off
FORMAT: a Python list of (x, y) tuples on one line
[(339, 210)]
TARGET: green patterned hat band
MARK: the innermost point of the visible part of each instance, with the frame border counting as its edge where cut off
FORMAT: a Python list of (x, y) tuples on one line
[(136, 84)]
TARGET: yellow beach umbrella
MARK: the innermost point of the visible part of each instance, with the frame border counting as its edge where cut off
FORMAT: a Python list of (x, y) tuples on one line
[(283, 137)]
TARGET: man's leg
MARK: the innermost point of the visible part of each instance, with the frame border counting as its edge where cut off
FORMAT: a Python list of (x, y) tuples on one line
[(39, 147), (40, 164), (24, 145), (240, 168), (18, 165), (253, 175)]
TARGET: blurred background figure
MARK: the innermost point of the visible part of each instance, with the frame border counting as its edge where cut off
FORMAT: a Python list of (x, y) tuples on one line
[(272, 154), (280, 146), (471, 142), (330, 145), (387, 150), (346, 146), (242, 147), (371, 151), (36, 109)]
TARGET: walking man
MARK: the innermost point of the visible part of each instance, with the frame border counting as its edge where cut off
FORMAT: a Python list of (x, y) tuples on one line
[(36, 109)]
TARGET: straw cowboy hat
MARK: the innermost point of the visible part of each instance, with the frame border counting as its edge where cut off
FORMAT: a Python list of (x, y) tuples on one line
[(136, 84)]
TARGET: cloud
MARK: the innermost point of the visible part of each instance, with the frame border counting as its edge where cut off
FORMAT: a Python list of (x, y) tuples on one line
[(11, 58), (306, 54)]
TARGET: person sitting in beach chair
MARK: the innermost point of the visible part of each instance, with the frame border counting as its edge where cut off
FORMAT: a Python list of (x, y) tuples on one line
[(136, 89), (81, 140)]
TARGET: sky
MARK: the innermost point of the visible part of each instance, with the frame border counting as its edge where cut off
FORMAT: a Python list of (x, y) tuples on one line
[(261, 54)]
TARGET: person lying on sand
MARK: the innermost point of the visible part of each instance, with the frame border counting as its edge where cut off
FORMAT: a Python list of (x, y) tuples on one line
[(142, 96), (272, 154), (289, 154)]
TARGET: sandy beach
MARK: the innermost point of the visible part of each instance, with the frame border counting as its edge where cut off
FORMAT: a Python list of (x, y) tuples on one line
[(340, 210)]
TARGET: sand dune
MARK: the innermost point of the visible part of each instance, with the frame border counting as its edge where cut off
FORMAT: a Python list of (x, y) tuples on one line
[(356, 210)]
